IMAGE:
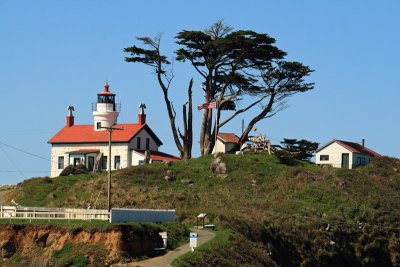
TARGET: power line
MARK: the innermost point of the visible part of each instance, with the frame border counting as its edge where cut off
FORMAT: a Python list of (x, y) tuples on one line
[(23, 151), (12, 162), (36, 156)]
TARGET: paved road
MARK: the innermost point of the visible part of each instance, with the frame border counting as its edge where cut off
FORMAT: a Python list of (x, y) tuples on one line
[(165, 260)]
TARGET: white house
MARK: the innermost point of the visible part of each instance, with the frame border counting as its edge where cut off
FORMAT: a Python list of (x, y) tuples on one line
[(343, 154), (88, 143), (226, 142)]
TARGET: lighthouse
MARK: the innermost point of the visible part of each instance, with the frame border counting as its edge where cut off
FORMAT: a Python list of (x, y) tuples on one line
[(105, 110)]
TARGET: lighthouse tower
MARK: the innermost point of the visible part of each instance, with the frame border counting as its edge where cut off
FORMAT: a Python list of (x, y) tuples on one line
[(105, 111)]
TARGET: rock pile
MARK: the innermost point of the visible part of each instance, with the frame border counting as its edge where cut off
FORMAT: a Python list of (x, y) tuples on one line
[(219, 167)]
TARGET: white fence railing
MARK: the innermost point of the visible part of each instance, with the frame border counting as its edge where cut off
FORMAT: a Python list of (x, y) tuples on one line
[(52, 213), (117, 215)]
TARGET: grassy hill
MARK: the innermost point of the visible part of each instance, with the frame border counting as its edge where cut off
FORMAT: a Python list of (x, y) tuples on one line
[(276, 214)]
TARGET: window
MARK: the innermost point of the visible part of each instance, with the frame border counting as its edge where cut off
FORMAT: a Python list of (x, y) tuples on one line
[(138, 143), (117, 162), (324, 157), (362, 161), (60, 163), (104, 163), (358, 161), (147, 143), (98, 125), (141, 162)]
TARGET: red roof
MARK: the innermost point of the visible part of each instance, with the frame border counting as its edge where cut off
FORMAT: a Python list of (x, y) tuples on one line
[(159, 156), (87, 134), (354, 147), (357, 148), (228, 137), (106, 91)]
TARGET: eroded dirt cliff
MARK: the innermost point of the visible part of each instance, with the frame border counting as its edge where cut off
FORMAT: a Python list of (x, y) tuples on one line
[(56, 246)]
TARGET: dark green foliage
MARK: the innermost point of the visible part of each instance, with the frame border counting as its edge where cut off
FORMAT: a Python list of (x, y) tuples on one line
[(235, 66), (75, 255), (73, 170), (285, 157), (302, 149), (385, 166)]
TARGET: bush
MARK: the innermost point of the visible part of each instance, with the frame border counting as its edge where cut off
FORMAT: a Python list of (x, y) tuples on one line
[(285, 157), (73, 170)]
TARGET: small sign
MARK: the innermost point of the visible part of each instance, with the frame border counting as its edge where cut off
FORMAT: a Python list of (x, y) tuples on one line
[(163, 235), (193, 240)]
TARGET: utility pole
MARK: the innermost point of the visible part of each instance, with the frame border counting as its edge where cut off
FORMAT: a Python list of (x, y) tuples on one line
[(110, 130)]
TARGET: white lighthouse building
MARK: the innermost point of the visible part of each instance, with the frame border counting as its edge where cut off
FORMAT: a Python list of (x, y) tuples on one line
[(105, 111), (87, 144)]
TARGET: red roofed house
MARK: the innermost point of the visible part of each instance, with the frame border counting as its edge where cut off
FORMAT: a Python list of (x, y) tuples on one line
[(88, 144), (343, 154), (226, 142)]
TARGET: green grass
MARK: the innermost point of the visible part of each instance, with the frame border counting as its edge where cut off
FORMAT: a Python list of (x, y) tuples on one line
[(77, 255), (304, 189), (221, 238)]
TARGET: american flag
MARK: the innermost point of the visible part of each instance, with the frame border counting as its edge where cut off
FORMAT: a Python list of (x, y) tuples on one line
[(208, 105)]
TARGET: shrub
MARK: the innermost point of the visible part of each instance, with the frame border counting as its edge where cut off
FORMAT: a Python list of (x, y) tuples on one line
[(285, 157), (73, 170)]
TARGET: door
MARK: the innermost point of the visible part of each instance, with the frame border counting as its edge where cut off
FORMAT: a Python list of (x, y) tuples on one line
[(77, 161), (345, 160), (90, 163)]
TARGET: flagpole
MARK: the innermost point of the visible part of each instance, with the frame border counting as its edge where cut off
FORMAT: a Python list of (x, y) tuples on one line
[(216, 124)]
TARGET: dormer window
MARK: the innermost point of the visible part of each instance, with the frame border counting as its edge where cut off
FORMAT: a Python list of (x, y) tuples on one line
[(98, 125)]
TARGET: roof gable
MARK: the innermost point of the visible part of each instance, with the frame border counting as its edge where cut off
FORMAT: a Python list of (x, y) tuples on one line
[(158, 156), (228, 137), (352, 147), (87, 134)]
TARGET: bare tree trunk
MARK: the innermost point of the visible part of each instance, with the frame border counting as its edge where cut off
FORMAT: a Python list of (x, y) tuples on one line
[(187, 137)]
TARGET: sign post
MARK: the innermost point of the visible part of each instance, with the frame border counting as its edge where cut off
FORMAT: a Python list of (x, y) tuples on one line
[(164, 238), (193, 240)]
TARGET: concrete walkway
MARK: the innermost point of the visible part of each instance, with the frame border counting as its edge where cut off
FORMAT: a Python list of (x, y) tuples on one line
[(166, 259)]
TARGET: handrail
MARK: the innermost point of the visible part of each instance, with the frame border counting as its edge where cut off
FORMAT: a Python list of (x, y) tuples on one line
[(19, 212)]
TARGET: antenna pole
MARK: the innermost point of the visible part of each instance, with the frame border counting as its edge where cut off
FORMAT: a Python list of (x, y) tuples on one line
[(110, 130)]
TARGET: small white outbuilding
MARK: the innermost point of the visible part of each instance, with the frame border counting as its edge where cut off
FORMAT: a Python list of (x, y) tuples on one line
[(226, 143), (344, 154)]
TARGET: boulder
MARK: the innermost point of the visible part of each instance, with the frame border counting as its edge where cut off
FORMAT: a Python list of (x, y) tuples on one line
[(187, 181), (221, 168), (214, 164), (168, 178)]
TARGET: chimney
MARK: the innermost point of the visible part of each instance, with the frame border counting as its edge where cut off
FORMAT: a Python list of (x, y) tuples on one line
[(70, 121), (363, 142), (70, 117), (142, 119)]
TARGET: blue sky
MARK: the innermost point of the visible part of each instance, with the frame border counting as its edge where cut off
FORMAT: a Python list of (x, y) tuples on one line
[(59, 53)]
